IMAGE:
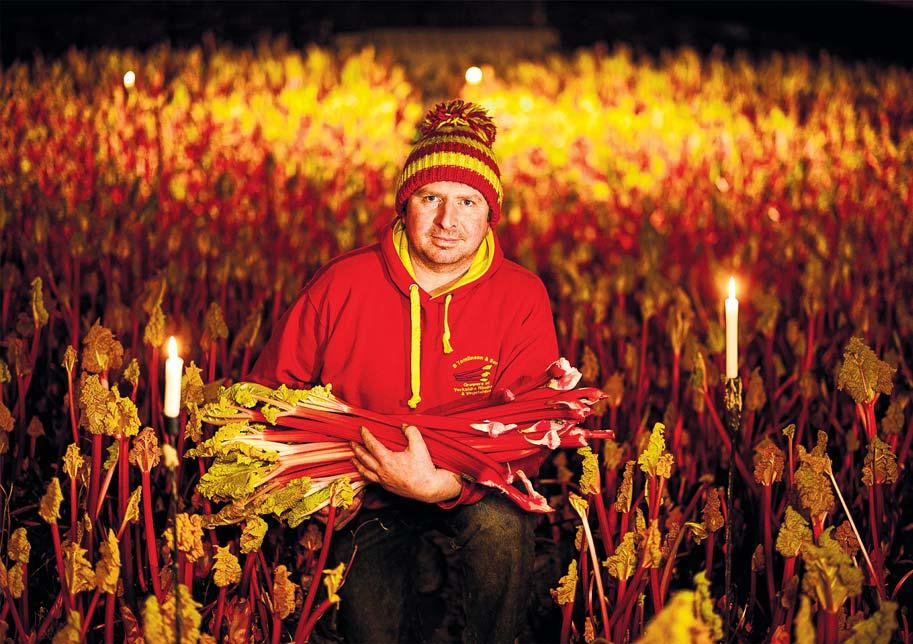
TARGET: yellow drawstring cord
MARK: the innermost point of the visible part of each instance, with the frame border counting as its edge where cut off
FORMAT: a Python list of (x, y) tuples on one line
[(447, 346), (415, 314)]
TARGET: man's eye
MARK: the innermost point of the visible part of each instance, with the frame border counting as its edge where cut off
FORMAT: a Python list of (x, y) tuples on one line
[(430, 197), (469, 203)]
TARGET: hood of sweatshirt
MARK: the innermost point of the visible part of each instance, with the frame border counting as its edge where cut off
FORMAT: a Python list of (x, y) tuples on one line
[(394, 247)]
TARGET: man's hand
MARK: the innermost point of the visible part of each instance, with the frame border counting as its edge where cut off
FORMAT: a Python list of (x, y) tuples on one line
[(409, 473)]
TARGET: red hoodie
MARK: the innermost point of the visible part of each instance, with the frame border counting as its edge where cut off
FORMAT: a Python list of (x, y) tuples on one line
[(364, 326)]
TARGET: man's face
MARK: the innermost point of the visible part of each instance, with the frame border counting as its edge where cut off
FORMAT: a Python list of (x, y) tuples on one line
[(445, 223)]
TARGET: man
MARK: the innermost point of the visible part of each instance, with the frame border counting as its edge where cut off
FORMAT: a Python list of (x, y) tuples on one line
[(430, 316)]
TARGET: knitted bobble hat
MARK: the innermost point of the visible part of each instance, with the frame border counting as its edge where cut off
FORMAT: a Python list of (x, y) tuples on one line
[(454, 144)]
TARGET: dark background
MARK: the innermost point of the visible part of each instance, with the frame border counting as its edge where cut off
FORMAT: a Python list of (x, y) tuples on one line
[(873, 29)]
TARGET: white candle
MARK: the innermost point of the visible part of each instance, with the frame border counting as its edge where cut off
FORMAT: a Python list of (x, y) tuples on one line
[(732, 332), (173, 370)]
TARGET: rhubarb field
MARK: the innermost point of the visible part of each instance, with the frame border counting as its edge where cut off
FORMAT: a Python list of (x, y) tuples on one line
[(198, 201)]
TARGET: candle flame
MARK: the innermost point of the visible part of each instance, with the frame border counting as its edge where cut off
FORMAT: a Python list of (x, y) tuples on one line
[(731, 287), (172, 347)]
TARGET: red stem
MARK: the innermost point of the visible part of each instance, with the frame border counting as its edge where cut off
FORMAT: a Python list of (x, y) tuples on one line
[(61, 570), (318, 573), (151, 550), (768, 544)]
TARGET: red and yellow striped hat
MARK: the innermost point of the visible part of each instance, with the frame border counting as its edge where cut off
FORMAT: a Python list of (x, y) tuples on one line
[(454, 145)]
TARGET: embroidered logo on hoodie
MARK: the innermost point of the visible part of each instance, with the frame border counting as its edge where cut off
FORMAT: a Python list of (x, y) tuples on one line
[(473, 375)]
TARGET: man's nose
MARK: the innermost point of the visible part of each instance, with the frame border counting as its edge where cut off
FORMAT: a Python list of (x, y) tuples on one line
[(447, 214)]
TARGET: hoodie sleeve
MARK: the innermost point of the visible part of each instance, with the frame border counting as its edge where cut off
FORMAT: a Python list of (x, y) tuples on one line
[(292, 355), (530, 348)]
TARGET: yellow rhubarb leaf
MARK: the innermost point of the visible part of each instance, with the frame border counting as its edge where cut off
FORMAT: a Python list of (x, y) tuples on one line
[(830, 575), (252, 535), (146, 452), (768, 462), (107, 570), (794, 531), (192, 384), (77, 568), (878, 628), (190, 535), (880, 465), (100, 350), (283, 592), (567, 586), (132, 513), (39, 312), (16, 580), (589, 478), (332, 579), (712, 511), (623, 562), (862, 375), (226, 570), (69, 632), (131, 373), (688, 616), (49, 507), (19, 549), (655, 460), (69, 358), (72, 460), (625, 488), (214, 327)]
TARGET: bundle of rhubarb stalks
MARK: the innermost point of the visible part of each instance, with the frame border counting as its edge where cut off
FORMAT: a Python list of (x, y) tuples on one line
[(286, 451)]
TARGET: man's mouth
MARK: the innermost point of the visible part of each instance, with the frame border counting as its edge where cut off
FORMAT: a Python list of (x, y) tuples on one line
[(445, 240)]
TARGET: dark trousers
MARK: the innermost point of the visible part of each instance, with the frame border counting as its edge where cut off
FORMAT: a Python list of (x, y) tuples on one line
[(493, 540)]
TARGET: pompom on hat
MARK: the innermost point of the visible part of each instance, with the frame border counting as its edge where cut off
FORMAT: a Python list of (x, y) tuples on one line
[(454, 145)]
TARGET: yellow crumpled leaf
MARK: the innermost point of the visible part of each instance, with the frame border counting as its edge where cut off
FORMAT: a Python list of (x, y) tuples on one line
[(100, 350), (39, 312), (712, 511), (226, 570), (107, 570), (16, 580), (623, 562), (146, 452), (69, 359), (190, 535), (159, 619), (18, 548), (589, 478), (72, 460), (214, 327), (625, 488), (880, 464), (77, 568), (69, 633), (655, 460), (49, 507), (332, 579), (192, 385), (768, 462), (7, 422), (794, 531), (252, 535), (283, 592), (132, 513), (687, 617), (154, 333), (567, 586), (131, 373)]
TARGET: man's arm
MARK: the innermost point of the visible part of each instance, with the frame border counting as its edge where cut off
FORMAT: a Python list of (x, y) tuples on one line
[(533, 348), (292, 353)]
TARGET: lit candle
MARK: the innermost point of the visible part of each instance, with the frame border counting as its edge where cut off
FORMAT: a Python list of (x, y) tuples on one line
[(732, 332), (173, 369)]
